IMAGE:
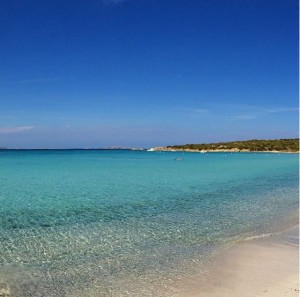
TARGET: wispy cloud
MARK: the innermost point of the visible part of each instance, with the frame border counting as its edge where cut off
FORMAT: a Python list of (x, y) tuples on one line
[(234, 111), (199, 111), (280, 109), (13, 130), (259, 112), (245, 117)]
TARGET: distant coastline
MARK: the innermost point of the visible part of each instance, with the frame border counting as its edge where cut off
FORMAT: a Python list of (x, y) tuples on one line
[(255, 146), (164, 149), (260, 146), (73, 149)]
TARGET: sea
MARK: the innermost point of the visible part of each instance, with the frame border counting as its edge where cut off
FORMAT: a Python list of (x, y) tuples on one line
[(93, 223)]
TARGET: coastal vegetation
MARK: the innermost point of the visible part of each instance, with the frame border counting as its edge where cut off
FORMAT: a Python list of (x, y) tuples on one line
[(281, 145)]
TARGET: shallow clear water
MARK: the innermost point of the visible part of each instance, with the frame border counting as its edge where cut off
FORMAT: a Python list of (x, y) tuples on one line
[(131, 223)]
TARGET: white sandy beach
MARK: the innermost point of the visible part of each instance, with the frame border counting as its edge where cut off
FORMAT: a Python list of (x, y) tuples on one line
[(266, 267)]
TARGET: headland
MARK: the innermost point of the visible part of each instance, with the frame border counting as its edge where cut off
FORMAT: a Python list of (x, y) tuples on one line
[(269, 146)]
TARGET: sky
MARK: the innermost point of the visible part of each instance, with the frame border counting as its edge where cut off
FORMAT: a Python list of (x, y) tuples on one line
[(144, 73)]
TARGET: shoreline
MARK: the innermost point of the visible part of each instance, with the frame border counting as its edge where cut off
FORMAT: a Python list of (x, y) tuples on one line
[(165, 149), (264, 266)]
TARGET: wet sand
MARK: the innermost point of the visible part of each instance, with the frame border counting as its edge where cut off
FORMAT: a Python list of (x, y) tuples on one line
[(266, 267)]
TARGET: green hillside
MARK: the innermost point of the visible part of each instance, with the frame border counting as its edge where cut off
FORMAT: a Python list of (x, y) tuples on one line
[(283, 145)]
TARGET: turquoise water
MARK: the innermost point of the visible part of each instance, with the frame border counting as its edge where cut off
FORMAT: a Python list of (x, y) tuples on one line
[(131, 223)]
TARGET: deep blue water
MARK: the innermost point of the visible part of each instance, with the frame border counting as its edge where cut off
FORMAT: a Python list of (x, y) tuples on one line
[(129, 223)]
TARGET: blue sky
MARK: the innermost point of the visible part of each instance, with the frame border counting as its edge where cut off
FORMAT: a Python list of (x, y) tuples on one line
[(143, 73)]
